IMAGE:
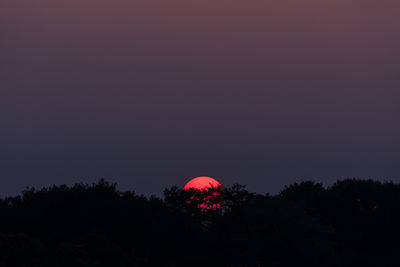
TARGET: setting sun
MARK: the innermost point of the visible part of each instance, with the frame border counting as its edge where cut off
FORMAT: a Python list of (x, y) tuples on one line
[(201, 182)]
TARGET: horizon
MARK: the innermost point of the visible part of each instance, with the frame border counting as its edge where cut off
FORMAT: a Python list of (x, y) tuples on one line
[(181, 187)]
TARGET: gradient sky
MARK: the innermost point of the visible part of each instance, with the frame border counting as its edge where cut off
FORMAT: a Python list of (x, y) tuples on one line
[(150, 93)]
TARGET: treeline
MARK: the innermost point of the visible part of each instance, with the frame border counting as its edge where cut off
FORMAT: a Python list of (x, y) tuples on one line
[(351, 223)]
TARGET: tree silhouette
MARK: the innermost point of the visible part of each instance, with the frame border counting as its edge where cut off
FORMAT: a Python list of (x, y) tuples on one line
[(351, 223)]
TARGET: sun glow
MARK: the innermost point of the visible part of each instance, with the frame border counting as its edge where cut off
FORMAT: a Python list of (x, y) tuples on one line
[(208, 200), (202, 182)]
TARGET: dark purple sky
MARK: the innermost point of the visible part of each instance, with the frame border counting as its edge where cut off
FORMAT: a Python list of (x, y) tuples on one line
[(150, 93)]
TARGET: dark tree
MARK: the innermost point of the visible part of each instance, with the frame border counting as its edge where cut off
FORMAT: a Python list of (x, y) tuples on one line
[(351, 223)]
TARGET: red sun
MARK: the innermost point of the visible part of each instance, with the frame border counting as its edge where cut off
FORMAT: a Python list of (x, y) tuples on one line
[(201, 182), (205, 183)]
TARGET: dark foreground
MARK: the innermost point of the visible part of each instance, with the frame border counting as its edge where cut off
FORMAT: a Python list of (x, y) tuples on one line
[(352, 223)]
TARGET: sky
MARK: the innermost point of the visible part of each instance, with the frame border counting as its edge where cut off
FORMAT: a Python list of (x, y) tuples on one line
[(151, 93)]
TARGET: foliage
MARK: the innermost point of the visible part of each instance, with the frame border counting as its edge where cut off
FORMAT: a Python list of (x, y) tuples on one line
[(352, 223)]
